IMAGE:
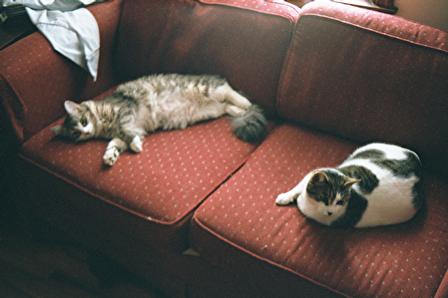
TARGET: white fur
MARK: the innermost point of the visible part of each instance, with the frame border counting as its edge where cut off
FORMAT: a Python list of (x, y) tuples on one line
[(390, 151), (113, 150), (86, 132), (136, 144), (390, 202), (155, 102)]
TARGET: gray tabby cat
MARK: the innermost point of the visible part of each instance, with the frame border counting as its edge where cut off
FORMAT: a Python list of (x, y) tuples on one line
[(155, 102), (376, 185)]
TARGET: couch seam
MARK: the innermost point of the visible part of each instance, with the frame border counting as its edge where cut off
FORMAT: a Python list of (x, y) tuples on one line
[(337, 20), (436, 293), (290, 17), (129, 210), (20, 120), (263, 259), (285, 68)]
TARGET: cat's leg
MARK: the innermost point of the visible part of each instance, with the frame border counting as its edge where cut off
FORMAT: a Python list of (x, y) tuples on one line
[(227, 94), (292, 195), (237, 99), (136, 144), (113, 150), (131, 132), (133, 140), (209, 110), (234, 111)]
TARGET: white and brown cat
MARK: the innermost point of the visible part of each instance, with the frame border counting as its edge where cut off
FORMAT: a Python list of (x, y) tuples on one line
[(376, 185), (168, 101)]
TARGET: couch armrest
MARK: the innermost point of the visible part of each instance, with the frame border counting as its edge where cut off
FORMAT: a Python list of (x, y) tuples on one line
[(35, 80), (368, 76)]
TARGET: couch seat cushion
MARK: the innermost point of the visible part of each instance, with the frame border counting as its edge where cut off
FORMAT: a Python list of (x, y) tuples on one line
[(156, 190), (240, 226)]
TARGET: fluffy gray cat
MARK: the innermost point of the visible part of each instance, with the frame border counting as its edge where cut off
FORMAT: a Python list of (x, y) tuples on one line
[(166, 102)]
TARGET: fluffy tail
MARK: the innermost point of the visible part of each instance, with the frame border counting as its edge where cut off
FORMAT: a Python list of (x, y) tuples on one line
[(251, 126)]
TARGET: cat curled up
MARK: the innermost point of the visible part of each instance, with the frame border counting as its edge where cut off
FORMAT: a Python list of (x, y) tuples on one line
[(150, 103), (376, 185)]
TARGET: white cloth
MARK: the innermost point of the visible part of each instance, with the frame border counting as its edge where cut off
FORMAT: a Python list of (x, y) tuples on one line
[(71, 30)]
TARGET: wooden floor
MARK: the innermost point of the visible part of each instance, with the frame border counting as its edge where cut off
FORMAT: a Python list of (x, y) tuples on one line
[(45, 268)]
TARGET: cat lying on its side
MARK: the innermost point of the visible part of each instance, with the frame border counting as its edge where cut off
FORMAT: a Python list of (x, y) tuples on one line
[(164, 102), (376, 185)]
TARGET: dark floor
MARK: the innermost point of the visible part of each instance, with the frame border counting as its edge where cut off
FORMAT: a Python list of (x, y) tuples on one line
[(48, 268)]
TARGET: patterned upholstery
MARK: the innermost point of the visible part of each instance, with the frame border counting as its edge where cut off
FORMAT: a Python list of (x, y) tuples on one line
[(348, 72), (280, 8), (370, 77), (174, 173), (35, 81), (244, 45), (383, 24), (240, 226)]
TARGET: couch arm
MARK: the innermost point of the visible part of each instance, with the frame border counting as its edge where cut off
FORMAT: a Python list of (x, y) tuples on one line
[(35, 80), (368, 76)]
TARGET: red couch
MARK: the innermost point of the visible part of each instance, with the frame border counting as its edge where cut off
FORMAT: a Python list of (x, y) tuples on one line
[(194, 213)]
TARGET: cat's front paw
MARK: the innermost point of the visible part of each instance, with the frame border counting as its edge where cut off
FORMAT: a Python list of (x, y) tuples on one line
[(136, 145), (285, 199), (111, 156)]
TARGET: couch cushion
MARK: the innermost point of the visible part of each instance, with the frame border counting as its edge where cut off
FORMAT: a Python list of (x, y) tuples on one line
[(241, 228), (243, 41), (31, 63), (158, 188), (369, 76)]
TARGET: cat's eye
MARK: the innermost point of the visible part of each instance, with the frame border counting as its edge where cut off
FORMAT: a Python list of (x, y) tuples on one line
[(340, 203), (83, 122)]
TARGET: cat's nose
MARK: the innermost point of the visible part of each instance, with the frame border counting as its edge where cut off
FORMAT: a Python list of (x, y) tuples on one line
[(329, 213)]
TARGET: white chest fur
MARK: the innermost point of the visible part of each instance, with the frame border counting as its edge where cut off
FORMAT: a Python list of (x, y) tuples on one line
[(313, 209)]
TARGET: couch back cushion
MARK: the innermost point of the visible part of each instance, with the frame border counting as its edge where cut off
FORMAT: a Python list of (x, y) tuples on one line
[(244, 42), (369, 77)]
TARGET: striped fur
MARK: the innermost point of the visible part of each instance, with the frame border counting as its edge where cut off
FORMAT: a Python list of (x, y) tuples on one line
[(164, 102)]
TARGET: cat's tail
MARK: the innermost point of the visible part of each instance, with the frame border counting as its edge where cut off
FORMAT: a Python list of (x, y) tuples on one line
[(251, 126)]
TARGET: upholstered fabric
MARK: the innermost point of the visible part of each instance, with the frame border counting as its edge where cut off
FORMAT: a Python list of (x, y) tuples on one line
[(174, 173), (442, 291), (240, 227), (363, 82), (273, 7), (364, 76), (35, 80), (384, 24), (244, 45)]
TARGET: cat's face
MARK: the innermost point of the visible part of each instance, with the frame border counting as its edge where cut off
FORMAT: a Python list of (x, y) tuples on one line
[(78, 124), (330, 190)]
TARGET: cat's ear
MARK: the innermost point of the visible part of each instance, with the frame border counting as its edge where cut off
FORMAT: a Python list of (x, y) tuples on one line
[(351, 181), (319, 177), (72, 107), (57, 130)]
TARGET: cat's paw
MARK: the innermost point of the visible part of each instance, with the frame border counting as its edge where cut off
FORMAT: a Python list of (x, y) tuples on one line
[(111, 156), (285, 199), (136, 144)]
